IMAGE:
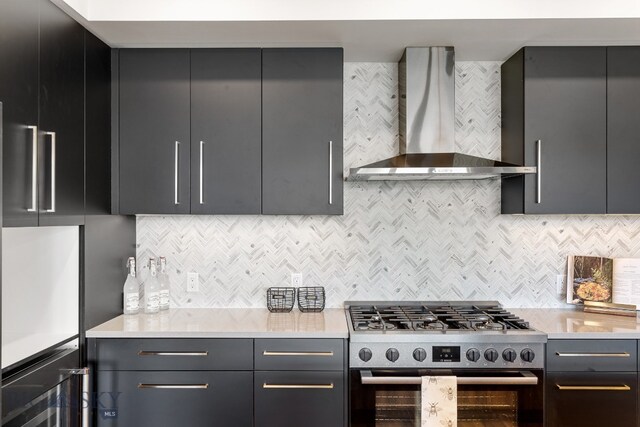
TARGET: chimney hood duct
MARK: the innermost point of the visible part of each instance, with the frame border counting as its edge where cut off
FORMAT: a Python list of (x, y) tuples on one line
[(427, 124)]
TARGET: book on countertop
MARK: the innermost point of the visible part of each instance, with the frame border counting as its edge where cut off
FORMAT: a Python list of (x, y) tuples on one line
[(600, 279)]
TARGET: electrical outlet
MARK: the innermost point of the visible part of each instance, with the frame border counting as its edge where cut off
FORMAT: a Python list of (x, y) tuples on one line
[(560, 280), (193, 282), (296, 280)]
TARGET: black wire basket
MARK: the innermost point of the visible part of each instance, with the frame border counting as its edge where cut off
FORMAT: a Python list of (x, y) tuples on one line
[(311, 299), (281, 300)]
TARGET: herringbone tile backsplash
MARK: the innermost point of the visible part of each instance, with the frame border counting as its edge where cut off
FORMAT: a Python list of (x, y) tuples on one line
[(399, 241)]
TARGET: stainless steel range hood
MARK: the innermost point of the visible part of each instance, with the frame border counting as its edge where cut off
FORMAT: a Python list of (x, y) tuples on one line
[(427, 123)]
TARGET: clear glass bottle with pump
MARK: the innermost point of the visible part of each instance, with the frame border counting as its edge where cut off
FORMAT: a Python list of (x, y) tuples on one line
[(131, 290), (163, 278), (152, 289)]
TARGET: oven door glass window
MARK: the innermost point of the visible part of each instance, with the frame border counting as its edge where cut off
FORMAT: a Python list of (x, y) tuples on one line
[(486, 405)]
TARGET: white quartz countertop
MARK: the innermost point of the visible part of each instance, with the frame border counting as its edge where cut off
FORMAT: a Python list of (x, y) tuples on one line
[(225, 323), (559, 323)]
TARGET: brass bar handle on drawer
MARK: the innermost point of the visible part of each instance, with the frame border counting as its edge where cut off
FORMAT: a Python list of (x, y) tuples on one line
[(625, 354), (623, 387), (175, 386), (298, 353), (298, 386), (173, 353)]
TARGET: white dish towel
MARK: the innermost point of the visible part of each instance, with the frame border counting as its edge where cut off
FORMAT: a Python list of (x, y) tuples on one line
[(439, 401)]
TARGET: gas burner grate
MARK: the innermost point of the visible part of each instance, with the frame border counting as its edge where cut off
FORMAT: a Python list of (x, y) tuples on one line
[(434, 317)]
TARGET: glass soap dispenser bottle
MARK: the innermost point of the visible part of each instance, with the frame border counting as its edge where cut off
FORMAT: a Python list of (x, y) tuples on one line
[(131, 290)]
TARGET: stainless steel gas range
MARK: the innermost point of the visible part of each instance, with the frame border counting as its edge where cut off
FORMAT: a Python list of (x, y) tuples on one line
[(496, 356)]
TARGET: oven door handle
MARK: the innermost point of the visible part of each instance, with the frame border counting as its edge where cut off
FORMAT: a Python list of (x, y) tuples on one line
[(525, 378)]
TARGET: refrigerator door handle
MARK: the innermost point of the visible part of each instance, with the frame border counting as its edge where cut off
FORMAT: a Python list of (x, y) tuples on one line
[(86, 410)]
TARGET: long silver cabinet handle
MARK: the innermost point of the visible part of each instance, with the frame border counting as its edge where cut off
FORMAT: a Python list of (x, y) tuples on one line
[(527, 378), (298, 353), (539, 171), (623, 387), (173, 353), (175, 386), (201, 172), (34, 167), (330, 172), (624, 354), (53, 171), (298, 386), (176, 157)]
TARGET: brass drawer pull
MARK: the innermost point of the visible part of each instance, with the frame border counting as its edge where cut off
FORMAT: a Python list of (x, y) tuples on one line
[(175, 386), (173, 353), (298, 386), (623, 387), (625, 354), (298, 353)]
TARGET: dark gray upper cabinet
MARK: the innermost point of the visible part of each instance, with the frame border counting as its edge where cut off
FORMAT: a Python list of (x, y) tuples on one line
[(554, 117), (61, 180), (19, 95), (98, 126), (225, 131), (302, 131), (623, 130), (42, 86), (154, 131)]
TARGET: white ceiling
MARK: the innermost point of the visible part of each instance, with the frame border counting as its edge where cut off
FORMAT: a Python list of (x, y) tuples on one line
[(369, 30)]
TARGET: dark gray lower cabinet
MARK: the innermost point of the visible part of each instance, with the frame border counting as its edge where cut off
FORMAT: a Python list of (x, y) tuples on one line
[(218, 382), (175, 398), (591, 383), (584, 399), (299, 398)]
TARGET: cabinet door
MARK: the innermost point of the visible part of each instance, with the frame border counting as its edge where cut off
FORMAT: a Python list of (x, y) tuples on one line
[(174, 398), (302, 131), (226, 151), (154, 131), (61, 156), (587, 399), (98, 126), (623, 130), (19, 96), (293, 399), (565, 93)]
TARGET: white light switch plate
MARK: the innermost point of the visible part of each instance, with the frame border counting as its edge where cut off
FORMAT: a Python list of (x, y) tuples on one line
[(193, 282)]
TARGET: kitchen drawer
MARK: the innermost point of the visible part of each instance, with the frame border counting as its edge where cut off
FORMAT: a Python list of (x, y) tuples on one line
[(592, 355), (297, 399), (299, 354), (591, 399), (195, 398), (174, 354)]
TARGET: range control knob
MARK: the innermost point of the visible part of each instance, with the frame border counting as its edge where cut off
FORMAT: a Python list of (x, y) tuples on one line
[(473, 355), (420, 354), (491, 355), (392, 355), (365, 354), (509, 355), (527, 355)]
